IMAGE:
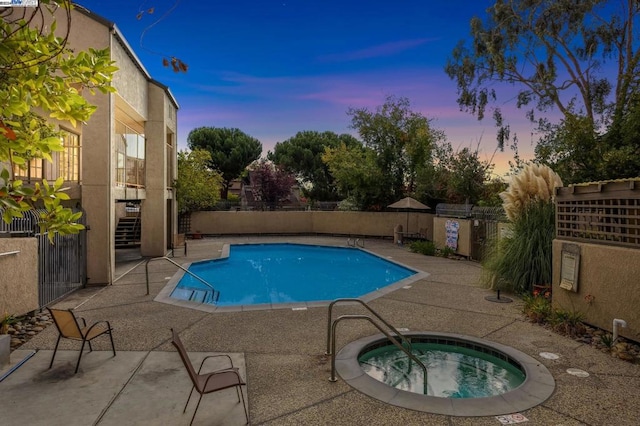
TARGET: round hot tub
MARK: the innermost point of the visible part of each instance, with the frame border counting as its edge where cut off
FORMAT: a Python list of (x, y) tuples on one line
[(466, 376)]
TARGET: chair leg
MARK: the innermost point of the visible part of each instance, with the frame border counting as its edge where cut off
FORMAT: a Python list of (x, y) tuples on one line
[(80, 356), (246, 414), (188, 399), (55, 350), (112, 345), (196, 410)]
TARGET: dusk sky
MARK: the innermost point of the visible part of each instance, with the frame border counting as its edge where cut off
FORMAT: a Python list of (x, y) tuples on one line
[(273, 68)]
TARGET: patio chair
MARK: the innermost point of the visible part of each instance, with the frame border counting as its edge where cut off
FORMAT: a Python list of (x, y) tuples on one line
[(209, 382), (68, 326)]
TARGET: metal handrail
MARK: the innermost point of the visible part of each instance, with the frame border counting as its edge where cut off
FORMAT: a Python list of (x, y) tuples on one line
[(377, 315), (146, 267), (394, 341), (356, 243)]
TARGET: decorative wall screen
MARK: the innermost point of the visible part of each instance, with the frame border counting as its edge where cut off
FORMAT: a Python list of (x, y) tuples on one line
[(606, 213)]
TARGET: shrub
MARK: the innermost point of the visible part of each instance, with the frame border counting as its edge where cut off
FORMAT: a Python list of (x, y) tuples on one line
[(428, 248), (446, 251), (537, 307)]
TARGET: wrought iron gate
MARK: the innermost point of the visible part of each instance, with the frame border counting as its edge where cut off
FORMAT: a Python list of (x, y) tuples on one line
[(61, 265)]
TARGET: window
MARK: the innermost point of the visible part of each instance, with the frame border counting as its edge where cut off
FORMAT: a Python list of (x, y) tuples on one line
[(67, 160), (65, 163), (130, 157)]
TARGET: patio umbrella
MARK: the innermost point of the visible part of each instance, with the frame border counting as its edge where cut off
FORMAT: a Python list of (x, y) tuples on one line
[(407, 204)]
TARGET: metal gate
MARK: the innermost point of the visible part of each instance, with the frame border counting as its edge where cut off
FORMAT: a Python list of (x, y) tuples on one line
[(485, 229), (61, 265)]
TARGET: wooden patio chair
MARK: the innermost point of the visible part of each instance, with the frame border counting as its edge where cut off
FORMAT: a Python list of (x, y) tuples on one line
[(209, 382), (69, 328)]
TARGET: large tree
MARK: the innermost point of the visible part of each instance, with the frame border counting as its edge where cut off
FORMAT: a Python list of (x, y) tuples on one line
[(357, 174), (402, 141), (231, 151), (197, 186), (272, 183), (577, 57), (40, 77), (302, 155)]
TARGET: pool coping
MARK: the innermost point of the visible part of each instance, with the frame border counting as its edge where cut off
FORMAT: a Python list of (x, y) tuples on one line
[(164, 296), (538, 386)]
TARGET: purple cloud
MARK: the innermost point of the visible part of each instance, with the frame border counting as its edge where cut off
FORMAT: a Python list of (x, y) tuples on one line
[(380, 50)]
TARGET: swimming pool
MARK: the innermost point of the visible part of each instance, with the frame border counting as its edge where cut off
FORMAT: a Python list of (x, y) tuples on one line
[(283, 273)]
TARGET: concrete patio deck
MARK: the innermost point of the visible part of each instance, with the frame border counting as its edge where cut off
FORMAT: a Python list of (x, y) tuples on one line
[(281, 354)]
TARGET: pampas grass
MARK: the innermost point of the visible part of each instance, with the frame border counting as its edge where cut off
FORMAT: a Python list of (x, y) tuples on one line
[(524, 259)]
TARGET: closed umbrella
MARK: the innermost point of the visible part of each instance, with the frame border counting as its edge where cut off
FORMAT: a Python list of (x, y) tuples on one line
[(407, 204)]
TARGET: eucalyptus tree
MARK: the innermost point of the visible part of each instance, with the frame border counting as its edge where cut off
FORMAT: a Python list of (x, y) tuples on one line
[(231, 151), (302, 156), (577, 57)]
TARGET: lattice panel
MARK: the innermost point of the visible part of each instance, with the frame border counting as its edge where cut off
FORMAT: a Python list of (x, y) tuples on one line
[(615, 221)]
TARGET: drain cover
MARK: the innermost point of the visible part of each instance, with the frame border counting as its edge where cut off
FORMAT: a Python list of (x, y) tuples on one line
[(549, 355), (577, 372)]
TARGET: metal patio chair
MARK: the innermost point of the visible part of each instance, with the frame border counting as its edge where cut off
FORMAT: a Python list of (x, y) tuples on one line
[(68, 326), (209, 382)]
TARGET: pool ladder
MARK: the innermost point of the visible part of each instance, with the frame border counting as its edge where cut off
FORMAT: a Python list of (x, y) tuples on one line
[(209, 296), (331, 337)]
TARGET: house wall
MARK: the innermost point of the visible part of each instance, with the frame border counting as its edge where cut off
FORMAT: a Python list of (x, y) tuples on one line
[(154, 211), (130, 83), (609, 274), (19, 283), (307, 222)]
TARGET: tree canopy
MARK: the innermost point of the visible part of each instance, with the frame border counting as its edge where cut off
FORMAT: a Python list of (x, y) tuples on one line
[(197, 187), (402, 141), (302, 155), (578, 58), (231, 151), (40, 77), (272, 183)]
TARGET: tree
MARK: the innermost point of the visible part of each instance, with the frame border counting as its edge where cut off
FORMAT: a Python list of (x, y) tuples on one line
[(197, 187), (231, 151), (40, 76), (272, 183), (357, 175), (302, 155), (402, 141), (555, 53), (454, 177)]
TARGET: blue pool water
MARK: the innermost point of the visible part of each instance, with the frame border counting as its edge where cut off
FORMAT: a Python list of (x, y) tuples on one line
[(290, 273)]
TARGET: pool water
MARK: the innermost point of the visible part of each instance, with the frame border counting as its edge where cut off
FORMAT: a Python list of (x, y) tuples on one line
[(289, 273), (452, 371)]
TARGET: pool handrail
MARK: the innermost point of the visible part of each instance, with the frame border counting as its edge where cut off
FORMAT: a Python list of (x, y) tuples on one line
[(408, 352), (377, 315), (216, 293)]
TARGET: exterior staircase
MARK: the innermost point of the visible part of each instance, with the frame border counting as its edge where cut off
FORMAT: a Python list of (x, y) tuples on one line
[(128, 232)]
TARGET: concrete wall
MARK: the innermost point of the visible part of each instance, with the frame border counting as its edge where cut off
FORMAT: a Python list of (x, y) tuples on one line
[(154, 210), (464, 234), (19, 282), (308, 222), (612, 276), (130, 83)]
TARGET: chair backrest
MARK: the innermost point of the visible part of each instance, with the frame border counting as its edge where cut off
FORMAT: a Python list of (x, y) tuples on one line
[(185, 358), (66, 323)]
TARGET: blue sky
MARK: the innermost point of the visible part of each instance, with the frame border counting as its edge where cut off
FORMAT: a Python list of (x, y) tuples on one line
[(273, 68)]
